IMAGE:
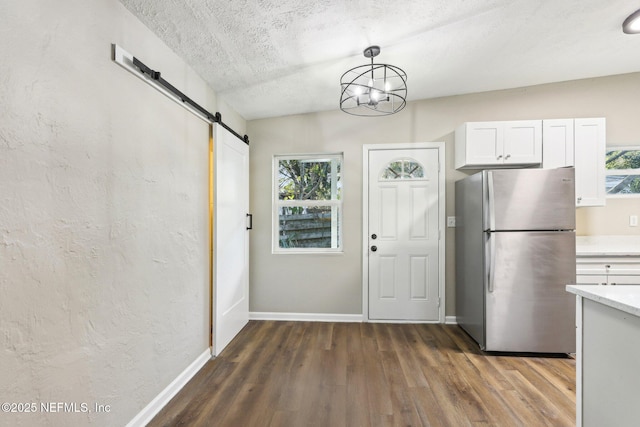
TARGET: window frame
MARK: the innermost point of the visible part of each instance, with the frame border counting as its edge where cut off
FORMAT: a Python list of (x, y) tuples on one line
[(335, 203), (611, 172)]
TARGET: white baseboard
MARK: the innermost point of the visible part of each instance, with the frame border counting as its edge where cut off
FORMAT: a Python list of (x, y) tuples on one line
[(324, 317), (307, 317), (404, 322), (152, 409)]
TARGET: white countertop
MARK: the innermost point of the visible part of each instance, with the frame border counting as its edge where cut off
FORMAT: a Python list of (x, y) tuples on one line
[(608, 246), (622, 297)]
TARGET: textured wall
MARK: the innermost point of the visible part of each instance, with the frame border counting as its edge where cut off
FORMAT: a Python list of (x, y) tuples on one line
[(103, 214), (332, 284)]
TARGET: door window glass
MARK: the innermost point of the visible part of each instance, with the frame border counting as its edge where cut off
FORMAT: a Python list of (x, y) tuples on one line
[(403, 169)]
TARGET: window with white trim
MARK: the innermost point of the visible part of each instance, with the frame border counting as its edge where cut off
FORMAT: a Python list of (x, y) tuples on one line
[(307, 203), (622, 167)]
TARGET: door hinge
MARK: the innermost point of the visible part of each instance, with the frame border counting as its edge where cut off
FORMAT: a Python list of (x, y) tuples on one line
[(438, 301)]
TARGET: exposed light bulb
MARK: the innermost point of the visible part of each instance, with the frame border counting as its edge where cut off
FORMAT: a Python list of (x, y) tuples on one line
[(387, 86), (358, 90), (631, 25), (371, 82)]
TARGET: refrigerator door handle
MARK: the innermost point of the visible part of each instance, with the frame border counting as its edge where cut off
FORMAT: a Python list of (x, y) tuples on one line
[(490, 261), (490, 203)]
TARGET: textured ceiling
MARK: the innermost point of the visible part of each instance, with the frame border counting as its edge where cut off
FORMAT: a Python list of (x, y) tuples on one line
[(270, 58)]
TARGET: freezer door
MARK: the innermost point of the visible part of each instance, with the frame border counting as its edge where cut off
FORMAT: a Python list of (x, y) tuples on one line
[(529, 199), (527, 307)]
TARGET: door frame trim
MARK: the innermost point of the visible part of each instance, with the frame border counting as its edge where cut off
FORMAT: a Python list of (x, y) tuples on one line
[(366, 148)]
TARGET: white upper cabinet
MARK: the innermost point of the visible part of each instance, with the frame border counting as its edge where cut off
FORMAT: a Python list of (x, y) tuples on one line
[(502, 144), (590, 148), (557, 143), (580, 143)]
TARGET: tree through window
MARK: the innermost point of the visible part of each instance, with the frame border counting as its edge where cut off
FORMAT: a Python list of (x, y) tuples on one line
[(622, 166), (307, 203)]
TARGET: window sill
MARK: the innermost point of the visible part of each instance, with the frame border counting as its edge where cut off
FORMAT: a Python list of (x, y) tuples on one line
[(307, 252)]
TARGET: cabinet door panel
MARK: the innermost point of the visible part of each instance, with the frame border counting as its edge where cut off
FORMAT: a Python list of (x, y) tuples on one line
[(590, 141), (592, 268), (484, 143), (624, 280), (557, 141), (583, 279), (523, 142)]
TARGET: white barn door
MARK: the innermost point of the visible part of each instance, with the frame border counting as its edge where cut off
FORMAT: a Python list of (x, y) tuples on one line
[(231, 237)]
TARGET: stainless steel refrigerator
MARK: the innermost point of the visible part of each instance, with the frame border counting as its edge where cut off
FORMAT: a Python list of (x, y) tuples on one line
[(515, 252)]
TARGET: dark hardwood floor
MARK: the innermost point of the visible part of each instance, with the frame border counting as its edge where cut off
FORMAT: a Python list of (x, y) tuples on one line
[(371, 374)]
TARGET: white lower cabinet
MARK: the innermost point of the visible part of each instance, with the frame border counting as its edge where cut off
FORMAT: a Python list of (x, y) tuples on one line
[(580, 143), (618, 270), (608, 344)]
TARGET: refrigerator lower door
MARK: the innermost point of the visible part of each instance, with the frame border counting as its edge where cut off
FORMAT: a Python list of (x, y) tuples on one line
[(527, 306)]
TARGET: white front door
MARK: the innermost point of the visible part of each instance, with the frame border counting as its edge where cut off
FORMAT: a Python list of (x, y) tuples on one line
[(231, 253), (403, 251)]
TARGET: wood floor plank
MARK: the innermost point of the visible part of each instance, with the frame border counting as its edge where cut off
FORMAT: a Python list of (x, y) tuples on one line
[(407, 357), (383, 336), (258, 367), (429, 410), (545, 411), (447, 396), (358, 413), (545, 385), (336, 357), (484, 379), (202, 406), (249, 407), (556, 373), (283, 374)]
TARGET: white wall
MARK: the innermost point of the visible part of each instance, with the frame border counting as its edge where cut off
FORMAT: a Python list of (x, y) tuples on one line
[(103, 214), (332, 284)]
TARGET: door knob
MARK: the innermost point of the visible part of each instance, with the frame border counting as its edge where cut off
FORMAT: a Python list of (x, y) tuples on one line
[(374, 248), (374, 236)]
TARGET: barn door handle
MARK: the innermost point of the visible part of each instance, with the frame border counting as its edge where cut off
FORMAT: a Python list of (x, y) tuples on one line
[(250, 226)]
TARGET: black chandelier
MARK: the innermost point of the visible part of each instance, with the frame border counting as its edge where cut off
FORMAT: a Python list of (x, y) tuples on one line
[(373, 89)]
